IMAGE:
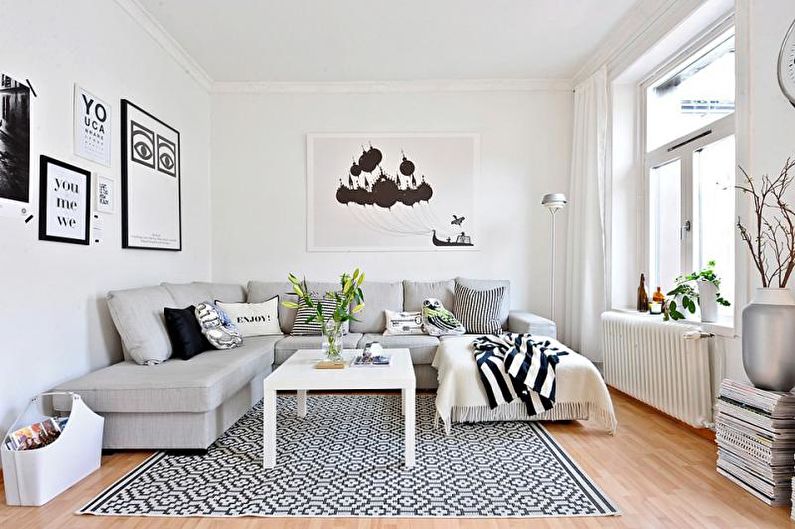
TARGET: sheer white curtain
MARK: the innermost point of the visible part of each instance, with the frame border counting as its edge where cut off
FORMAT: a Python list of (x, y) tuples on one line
[(585, 289)]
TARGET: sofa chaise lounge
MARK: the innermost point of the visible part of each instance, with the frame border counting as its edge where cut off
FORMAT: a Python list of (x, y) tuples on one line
[(188, 404)]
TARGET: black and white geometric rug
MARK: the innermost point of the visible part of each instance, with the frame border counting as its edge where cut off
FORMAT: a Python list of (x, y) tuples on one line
[(346, 459)]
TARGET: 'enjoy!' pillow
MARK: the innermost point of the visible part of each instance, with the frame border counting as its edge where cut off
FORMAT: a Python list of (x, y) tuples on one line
[(254, 319)]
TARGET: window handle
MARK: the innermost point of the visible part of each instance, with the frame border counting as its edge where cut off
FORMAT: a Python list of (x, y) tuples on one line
[(686, 227)]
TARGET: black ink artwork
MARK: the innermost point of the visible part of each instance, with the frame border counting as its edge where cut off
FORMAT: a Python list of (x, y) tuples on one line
[(14, 140), (367, 184), (151, 201), (166, 156), (142, 145)]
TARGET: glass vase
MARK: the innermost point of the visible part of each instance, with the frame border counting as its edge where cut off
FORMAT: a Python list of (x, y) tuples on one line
[(332, 341)]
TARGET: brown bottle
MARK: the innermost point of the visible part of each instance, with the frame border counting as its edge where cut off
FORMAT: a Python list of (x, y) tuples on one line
[(643, 297)]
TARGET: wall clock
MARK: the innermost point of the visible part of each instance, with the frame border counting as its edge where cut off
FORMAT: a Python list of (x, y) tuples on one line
[(786, 65)]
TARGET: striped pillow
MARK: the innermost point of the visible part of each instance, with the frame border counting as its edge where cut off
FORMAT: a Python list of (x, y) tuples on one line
[(478, 310), (301, 328)]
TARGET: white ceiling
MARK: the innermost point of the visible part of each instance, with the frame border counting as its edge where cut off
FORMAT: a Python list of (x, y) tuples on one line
[(380, 40)]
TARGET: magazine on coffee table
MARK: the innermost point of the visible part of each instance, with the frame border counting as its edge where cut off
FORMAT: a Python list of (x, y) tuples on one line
[(377, 360)]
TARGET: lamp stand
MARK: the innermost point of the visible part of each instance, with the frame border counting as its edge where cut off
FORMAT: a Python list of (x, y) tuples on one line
[(553, 212)]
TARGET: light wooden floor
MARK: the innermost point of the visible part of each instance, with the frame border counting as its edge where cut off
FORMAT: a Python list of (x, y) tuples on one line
[(659, 472)]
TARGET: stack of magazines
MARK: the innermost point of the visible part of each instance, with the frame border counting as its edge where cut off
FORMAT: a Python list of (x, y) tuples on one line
[(36, 435), (755, 432)]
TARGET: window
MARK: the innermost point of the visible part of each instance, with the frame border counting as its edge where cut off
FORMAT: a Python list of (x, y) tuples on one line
[(689, 163)]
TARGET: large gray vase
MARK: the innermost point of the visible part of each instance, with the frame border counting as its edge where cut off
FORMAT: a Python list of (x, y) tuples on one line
[(769, 339)]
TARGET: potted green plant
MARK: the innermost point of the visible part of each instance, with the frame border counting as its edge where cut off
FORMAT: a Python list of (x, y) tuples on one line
[(706, 293), (348, 300)]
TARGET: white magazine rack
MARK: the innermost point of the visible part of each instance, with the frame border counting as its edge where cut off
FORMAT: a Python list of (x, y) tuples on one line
[(34, 477)]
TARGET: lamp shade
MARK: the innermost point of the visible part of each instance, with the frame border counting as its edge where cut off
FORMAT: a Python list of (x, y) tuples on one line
[(554, 201)]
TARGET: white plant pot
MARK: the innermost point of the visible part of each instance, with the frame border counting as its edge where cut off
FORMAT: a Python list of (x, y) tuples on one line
[(708, 301), (769, 339)]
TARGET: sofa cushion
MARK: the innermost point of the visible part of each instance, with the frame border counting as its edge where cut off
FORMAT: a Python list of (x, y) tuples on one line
[(478, 310), (138, 315), (321, 287), (185, 333), (302, 326), (196, 385), (490, 284), (227, 292), (259, 291), (185, 294), (217, 327), (377, 298), (415, 292), (254, 319), (285, 347), (422, 347), (403, 322)]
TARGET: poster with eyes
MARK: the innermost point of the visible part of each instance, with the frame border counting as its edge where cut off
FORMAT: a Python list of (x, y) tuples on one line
[(150, 181)]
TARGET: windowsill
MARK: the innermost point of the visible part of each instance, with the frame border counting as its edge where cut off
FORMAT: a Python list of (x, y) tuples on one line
[(723, 327)]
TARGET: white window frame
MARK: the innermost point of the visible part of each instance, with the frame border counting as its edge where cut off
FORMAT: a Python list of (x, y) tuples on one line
[(682, 148)]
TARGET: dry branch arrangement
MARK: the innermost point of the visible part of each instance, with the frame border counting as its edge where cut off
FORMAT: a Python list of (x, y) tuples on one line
[(772, 243)]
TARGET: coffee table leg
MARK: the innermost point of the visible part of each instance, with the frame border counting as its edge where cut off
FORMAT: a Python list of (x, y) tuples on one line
[(409, 406), (269, 429), (301, 402), (403, 402)]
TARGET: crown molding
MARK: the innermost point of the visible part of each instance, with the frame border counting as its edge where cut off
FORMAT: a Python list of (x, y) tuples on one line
[(647, 22), (149, 24), (388, 87)]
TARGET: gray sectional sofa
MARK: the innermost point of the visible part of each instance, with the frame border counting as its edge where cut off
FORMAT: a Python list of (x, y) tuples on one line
[(187, 404)]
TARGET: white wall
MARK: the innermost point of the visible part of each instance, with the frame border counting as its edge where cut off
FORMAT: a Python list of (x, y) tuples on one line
[(766, 127), (771, 133), (54, 321), (259, 182)]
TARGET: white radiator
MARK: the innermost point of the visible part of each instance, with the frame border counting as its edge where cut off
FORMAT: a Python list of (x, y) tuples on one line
[(664, 364)]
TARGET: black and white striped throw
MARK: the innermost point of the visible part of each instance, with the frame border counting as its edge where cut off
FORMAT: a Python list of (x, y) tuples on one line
[(478, 310), (517, 365)]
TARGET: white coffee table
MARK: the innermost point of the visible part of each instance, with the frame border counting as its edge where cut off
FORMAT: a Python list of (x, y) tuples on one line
[(298, 373)]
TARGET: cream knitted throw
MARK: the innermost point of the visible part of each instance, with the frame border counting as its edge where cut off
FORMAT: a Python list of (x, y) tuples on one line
[(581, 391)]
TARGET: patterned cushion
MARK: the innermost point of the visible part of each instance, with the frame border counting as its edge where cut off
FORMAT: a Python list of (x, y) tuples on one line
[(438, 321), (402, 323), (478, 310), (313, 328), (217, 327), (488, 284)]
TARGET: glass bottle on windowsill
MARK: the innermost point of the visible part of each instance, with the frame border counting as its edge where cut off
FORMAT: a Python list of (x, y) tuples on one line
[(643, 297)]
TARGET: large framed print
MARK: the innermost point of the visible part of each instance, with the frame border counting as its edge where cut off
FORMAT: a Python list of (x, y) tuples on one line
[(150, 181), (392, 191), (92, 127), (64, 198), (14, 145)]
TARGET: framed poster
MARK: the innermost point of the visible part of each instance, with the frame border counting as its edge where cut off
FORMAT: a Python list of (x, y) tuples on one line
[(64, 194), (14, 145), (401, 192), (150, 181), (93, 126), (105, 197)]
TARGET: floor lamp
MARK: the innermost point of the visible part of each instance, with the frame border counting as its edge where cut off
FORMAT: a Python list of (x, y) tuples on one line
[(554, 202)]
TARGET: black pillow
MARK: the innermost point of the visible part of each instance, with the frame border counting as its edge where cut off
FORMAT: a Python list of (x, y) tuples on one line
[(185, 332)]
